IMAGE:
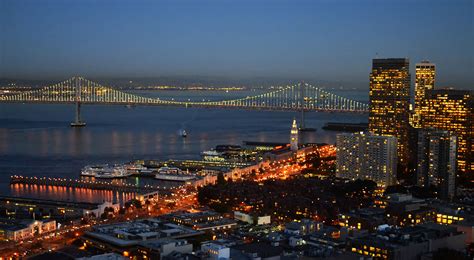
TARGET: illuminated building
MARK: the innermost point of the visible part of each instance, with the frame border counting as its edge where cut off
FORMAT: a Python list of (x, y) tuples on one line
[(405, 210), (203, 221), (452, 110), (447, 219), (16, 230), (158, 249), (437, 161), (153, 238), (425, 74), (367, 156), (302, 227), (390, 103), (407, 243), (294, 136), (252, 218), (364, 218), (449, 213)]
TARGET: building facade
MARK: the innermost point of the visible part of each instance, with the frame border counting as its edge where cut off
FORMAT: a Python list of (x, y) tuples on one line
[(17, 230), (390, 103), (452, 110), (215, 251), (437, 152), (409, 243), (425, 75), (367, 156)]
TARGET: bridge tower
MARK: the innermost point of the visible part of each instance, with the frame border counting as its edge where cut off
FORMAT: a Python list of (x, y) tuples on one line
[(302, 103), (77, 84)]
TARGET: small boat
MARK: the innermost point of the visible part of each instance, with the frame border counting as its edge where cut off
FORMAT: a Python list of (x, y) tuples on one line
[(184, 134), (307, 129), (78, 124)]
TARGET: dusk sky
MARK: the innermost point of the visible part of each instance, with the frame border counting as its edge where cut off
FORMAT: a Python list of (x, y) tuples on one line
[(320, 40)]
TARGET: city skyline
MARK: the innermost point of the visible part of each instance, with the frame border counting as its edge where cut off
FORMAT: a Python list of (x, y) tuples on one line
[(324, 41)]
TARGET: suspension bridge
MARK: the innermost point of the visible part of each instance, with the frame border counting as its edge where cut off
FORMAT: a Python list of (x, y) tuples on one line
[(78, 90)]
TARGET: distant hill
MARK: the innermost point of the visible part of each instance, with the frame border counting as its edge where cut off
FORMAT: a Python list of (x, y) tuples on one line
[(187, 81)]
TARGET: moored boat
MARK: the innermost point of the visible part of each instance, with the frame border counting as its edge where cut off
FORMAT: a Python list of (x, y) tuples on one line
[(105, 171)]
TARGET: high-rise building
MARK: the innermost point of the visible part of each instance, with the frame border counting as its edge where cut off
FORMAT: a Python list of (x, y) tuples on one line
[(437, 150), (367, 156), (452, 110), (294, 136), (425, 73), (390, 103)]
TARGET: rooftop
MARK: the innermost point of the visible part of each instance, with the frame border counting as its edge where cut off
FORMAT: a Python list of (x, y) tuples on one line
[(397, 237), (131, 233)]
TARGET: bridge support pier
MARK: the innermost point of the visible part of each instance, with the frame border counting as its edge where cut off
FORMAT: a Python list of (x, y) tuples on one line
[(302, 123), (78, 122)]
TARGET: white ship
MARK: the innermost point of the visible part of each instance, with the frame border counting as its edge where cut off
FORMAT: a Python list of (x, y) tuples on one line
[(173, 174), (105, 171)]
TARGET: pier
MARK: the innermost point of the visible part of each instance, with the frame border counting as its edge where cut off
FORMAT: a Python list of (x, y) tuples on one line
[(95, 185)]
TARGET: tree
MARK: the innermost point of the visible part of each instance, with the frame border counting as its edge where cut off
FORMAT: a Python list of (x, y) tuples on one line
[(171, 205), (253, 174), (220, 179), (136, 203)]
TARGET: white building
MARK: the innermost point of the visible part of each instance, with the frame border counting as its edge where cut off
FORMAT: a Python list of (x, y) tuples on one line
[(367, 156), (19, 230), (100, 209), (215, 251), (257, 220)]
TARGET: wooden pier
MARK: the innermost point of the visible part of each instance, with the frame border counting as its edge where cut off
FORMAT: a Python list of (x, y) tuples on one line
[(95, 185)]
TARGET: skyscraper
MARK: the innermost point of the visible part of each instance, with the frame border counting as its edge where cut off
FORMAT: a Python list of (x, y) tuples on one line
[(452, 110), (367, 156), (294, 136), (390, 103), (425, 74), (437, 151)]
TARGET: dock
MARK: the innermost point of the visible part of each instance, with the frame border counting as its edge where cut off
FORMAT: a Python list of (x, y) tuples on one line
[(94, 185)]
